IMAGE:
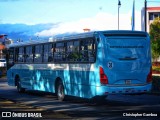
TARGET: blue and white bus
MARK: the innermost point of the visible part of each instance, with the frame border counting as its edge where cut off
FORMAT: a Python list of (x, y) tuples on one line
[(85, 65)]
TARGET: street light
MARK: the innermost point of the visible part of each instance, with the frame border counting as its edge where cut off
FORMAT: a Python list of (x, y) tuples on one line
[(119, 5)]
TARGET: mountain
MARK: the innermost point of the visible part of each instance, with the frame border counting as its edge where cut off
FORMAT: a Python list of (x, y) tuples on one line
[(22, 31)]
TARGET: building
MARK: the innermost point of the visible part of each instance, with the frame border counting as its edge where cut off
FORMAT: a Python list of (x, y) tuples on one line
[(2, 45), (2, 55), (4, 42), (151, 14)]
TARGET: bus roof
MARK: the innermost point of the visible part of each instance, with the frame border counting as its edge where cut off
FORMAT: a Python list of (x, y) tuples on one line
[(78, 36), (53, 39)]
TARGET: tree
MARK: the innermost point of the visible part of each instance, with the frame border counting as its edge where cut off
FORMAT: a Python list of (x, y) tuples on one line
[(155, 38)]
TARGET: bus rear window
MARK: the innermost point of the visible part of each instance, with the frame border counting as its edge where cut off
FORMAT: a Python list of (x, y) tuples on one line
[(126, 34)]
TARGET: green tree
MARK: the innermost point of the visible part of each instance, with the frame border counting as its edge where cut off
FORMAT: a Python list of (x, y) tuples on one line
[(155, 38)]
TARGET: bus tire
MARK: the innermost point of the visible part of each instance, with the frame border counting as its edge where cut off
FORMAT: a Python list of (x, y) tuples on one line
[(19, 87), (60, 91)]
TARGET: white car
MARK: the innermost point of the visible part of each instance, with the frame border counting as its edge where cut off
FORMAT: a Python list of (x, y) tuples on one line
[(2, 63)]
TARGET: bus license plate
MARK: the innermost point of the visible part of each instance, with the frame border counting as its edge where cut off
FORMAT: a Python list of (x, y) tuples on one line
[(129, 89)]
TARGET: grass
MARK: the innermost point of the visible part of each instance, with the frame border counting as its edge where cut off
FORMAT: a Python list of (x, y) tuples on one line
[(156, 68), (3, 76)]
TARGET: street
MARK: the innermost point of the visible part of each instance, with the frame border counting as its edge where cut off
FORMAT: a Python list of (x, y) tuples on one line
[(115, 106)]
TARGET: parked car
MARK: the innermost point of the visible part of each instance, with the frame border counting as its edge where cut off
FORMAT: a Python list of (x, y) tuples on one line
[(2, 63)]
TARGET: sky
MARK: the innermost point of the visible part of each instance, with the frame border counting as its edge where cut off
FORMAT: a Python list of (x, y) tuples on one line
[(70, 16)]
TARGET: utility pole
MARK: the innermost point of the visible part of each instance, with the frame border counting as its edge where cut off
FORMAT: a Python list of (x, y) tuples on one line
[(145, 15)]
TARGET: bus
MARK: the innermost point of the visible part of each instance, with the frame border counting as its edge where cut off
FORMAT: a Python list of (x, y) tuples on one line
[(87, 65)]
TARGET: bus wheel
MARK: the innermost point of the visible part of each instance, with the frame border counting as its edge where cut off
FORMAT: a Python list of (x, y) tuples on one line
[(19, 87), (60, 91)]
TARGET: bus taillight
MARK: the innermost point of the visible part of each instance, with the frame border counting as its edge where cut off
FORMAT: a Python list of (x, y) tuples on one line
[(149, 77), (103, 77)]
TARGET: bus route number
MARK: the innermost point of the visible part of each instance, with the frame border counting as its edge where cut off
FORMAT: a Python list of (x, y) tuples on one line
[(110, 65)]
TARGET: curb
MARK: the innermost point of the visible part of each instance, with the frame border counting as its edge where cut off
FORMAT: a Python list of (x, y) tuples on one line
[(156, 75)]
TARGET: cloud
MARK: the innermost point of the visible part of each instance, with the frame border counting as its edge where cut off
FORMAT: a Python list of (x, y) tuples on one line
[(101, 21), (9, 0), (23, 31)]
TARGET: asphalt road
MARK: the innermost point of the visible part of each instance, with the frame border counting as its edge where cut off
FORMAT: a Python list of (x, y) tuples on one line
[(115, 107)]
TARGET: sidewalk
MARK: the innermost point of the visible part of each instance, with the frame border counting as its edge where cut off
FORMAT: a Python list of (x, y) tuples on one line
[(8, 105), (16, 107), (156, 75)]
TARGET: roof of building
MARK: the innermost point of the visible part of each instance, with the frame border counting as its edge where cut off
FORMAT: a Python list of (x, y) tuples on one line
[(2, 47), (153, 8)]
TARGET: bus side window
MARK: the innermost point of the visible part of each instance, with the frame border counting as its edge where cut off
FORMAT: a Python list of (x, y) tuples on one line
[(72, 53), (50, 52), (16, 54), (91, 50), (59, 53), (76, 51), (21, 55), (29, 54), (87, 50), (69, 51), (10, 58), (38, 53), (84, 51), (46, 49)]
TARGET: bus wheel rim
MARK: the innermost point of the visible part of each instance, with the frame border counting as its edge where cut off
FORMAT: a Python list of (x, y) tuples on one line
[(60, 92)]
